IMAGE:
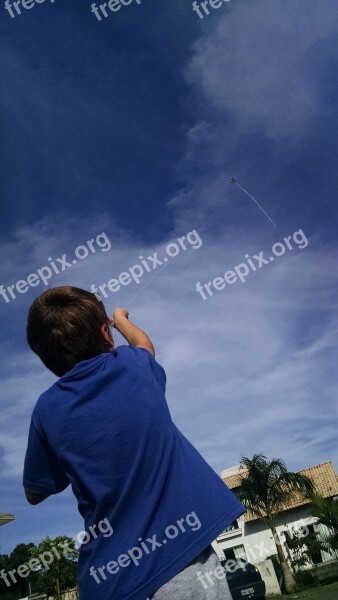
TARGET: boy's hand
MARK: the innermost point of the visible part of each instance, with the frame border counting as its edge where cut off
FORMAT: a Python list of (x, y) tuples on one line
[(133, 335), (118, 313)]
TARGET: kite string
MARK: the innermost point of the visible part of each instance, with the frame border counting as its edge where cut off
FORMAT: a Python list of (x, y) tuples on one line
[(259, 206), (199, 229), (158, 272), (142, 288)]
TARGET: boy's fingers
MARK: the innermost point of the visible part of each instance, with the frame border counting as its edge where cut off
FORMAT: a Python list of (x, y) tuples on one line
[(124, 312)]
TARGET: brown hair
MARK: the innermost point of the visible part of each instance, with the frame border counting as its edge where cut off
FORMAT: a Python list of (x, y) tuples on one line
[(63, 327)]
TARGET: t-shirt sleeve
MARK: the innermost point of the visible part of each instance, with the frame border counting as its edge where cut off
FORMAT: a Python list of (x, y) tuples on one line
[(42, 472), (148, 361)]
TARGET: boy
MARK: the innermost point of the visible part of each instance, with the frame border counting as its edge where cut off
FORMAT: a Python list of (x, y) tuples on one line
[(104, 427)]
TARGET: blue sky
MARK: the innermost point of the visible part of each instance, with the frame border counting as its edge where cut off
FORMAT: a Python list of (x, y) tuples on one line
[(133, 126)]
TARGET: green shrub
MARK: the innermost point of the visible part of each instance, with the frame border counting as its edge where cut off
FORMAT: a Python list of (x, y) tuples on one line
[(305, 579)]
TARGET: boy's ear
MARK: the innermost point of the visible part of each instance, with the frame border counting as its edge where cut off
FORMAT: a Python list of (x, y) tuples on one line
[(107, 338)]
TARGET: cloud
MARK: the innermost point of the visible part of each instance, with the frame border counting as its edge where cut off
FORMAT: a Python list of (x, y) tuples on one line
[(261, 65)]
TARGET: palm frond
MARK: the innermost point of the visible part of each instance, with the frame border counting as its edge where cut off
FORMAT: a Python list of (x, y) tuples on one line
[(267, 485)]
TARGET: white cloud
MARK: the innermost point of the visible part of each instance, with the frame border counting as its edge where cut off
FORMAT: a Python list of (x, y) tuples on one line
[(261, 63)]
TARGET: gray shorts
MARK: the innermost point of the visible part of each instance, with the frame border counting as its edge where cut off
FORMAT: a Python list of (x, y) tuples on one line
[(203, 579)]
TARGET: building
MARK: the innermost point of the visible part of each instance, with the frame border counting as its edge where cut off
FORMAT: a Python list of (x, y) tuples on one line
[(251, 539), (6, 518)]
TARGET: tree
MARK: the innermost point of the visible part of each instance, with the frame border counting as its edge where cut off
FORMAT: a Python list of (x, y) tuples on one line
[(19, 556), (54, 571), (326, 510), (17, 586), (59, 572), (265, 488), (4, 566), (305, 548)]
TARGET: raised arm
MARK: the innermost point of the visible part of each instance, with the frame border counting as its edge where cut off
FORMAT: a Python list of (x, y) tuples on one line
[(134, 335)]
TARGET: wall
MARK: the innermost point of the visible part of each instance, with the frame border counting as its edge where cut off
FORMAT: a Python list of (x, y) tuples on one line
[(268, 574)]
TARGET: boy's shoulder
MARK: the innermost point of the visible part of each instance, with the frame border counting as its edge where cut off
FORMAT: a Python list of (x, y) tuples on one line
[(124, 356)]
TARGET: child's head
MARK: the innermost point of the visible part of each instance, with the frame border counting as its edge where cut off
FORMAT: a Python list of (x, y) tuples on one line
[(67, 325)]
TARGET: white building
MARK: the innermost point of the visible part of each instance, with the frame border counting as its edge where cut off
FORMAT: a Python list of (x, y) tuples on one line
[(250, 538)]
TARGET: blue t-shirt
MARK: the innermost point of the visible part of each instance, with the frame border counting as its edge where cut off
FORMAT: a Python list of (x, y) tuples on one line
[(149, 500)]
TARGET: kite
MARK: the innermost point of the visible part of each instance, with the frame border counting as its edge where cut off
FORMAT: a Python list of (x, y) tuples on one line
[(233, 180)]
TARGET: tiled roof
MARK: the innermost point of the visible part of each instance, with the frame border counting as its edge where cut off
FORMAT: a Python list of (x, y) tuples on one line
[(6, 518), (234, 481), (323, 477)]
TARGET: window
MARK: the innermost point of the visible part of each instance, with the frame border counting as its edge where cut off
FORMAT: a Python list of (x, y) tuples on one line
[(235, 552)]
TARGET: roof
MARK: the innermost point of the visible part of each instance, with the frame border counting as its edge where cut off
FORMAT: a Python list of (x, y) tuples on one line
[(323, 476), (6, 518)]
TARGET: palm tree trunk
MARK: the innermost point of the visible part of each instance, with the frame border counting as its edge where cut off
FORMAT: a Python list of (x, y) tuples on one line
[(289, 580), (58, 589)]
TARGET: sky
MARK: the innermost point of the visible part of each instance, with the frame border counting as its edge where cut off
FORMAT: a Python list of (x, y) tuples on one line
[(125, 132)]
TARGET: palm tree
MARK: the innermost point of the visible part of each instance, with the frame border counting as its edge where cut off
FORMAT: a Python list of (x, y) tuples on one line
[(265, 488)]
